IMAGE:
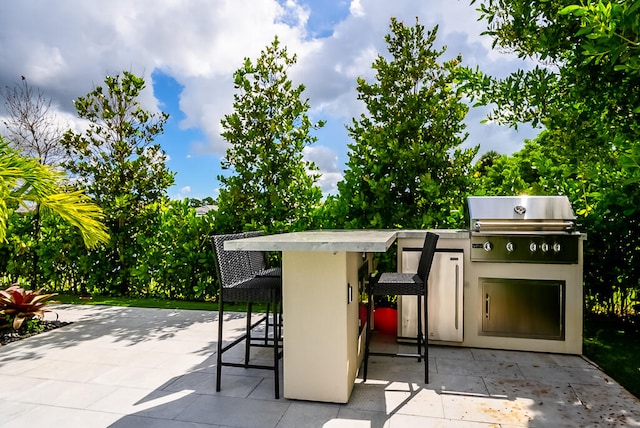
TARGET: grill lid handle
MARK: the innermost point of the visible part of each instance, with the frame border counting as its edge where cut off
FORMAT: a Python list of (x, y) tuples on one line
[(539, 225)]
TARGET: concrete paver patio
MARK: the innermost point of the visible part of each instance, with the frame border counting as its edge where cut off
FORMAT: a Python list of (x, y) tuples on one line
[(136, 367)]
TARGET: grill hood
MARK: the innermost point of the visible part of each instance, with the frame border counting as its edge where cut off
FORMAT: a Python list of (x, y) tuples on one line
[(520, 212)]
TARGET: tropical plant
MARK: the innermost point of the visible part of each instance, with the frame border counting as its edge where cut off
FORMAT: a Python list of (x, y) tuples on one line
[(24, 181), (21, 305)]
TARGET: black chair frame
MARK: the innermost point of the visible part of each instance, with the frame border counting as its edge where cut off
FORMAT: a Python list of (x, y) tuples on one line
[(404, 284)]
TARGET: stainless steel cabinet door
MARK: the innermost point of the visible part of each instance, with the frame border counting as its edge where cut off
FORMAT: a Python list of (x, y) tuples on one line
[(523, 308), (445, 297)]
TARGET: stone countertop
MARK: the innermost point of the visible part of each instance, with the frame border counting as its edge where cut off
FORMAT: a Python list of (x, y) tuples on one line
[(364, 241)]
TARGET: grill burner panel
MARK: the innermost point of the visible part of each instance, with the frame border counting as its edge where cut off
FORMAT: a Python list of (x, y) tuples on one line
[(523, 229), (525, 248)]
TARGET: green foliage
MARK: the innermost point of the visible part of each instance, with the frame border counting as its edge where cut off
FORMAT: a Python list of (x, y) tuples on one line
[(588, 83), (24, 182), (173, 258), (586, 96), (406, 168), (271, 186), (117, 163), (178, 261), (612, 33), (21, 305)]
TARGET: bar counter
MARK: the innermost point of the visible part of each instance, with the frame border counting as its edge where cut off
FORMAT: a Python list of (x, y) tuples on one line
[(321, 274)]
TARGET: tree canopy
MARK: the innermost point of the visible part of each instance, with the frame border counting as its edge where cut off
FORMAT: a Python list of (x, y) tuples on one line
[(406, 166), (116, 159), (118, 163), (269, 184)]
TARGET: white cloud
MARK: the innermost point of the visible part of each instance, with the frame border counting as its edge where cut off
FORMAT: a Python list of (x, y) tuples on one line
[(356, 8), (201, 43), (326, 160), (328, 183)]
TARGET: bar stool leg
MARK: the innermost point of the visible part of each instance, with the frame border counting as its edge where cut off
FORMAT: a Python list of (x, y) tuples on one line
[(266, 327), (219, 353), (419, 336), (247, 345), (426, 338)]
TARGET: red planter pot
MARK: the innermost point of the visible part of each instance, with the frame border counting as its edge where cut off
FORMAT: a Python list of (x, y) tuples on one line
[(386, 320), (363, 313)]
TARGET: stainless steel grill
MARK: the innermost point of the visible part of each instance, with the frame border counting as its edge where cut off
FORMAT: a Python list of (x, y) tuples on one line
[(523, 229), (526, 256)]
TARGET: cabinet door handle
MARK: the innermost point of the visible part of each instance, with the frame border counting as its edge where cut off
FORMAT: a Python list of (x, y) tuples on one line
[(487, 305), (455, 304)]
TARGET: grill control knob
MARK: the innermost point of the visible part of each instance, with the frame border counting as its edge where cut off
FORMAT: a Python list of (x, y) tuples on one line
[(544, 247), (533, 247), (510, 246), (488, 246), (557, 247)]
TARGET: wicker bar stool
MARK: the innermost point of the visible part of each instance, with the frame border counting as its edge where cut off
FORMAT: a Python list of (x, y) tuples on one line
[(244, 282), (404, 284)]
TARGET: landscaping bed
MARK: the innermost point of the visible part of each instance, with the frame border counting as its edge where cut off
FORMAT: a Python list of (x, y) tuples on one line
[(8, 335)]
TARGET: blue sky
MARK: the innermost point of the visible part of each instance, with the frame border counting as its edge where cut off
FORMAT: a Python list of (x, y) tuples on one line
[(188, 50)]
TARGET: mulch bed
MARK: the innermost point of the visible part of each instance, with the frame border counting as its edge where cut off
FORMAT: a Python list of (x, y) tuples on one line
[(8, 335)]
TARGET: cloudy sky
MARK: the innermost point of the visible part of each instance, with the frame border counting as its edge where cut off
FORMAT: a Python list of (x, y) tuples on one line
[(187, 51)]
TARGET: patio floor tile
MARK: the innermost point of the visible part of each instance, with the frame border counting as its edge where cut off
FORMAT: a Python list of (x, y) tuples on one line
[(138, 367)]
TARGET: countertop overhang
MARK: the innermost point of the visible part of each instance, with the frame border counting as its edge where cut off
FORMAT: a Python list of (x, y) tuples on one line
[(319, 240), (360, 240)]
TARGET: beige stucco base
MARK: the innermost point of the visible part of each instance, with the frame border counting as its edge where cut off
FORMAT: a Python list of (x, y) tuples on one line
[(322, 346), (473, 302)]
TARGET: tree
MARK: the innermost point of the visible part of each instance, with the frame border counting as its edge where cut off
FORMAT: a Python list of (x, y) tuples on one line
[(586, 94), (271, 186), (611, 34), (587, 79), (117, 163), (24, 180), (406, 168), (32, 127), (611, 30), (35, 131)]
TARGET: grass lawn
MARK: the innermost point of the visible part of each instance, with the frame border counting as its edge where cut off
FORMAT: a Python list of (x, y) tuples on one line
[(605, 342), (615, 351)]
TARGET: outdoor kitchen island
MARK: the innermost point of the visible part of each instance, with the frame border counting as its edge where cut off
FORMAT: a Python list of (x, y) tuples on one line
[(322, 275), (322, 272), (518, 283)]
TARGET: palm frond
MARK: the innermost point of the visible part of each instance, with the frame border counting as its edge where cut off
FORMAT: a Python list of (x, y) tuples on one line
[(77, 209), (24, 179)]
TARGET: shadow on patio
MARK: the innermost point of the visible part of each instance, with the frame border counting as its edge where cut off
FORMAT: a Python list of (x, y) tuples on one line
[(132, 367)]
